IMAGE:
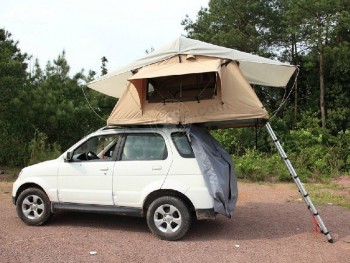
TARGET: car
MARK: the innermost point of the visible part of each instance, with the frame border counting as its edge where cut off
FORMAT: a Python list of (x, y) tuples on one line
[(147, 172)]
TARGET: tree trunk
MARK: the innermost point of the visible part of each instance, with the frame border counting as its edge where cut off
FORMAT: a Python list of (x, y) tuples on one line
[(322, 84), (295, 62), (322, 91)]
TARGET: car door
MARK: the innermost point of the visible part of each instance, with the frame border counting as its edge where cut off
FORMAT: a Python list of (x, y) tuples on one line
[(143, 164), (87, 178)]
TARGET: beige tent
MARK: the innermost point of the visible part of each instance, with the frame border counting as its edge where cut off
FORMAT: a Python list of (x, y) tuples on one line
[(190, 81)]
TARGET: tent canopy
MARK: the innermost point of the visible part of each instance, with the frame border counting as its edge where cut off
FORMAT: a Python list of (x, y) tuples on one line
[(189, 89), (256, 70)]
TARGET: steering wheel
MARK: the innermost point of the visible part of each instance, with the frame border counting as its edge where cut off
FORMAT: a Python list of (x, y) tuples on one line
[(91, 156)]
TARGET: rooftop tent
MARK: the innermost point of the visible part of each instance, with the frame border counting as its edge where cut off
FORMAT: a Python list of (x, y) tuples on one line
[(187, 89), (189, 81), (257, 70)]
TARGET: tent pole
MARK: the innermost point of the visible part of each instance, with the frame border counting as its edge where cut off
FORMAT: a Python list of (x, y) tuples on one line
[(297, 181)]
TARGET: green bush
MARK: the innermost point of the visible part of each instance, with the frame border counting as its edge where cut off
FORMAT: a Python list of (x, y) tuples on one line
[(315, 153), (13, 148), (258, 166), (41, 151)]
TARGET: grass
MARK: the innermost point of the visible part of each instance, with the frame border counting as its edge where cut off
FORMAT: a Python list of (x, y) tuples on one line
[(9, 173), (5, 187), (332, 193)]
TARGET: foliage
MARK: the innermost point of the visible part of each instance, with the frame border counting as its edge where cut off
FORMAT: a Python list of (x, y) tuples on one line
[(257, 166), (240, 24), (40, 151), (315, 153), (44, 101), (104, 62)]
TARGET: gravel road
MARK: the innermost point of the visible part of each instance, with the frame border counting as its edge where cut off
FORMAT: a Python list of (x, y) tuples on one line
[(270, 224)]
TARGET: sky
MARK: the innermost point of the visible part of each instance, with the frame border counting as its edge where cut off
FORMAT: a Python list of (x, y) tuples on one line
[(89, 29)]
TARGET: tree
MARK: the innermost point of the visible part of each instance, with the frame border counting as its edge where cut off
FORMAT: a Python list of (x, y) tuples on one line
[(318, 20), (12, 70), (13, 76), (239, 24), (104, 70), (63, 103), (48, 102), (337, 71)]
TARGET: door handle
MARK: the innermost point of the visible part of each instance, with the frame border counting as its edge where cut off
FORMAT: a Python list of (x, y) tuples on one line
[(104, 169), (157, 167)]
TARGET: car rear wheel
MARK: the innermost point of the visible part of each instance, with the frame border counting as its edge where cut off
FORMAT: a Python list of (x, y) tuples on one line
[(33, 207), (169, 218)]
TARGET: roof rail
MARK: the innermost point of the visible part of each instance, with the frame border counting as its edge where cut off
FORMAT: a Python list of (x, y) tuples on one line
[(111, 127)]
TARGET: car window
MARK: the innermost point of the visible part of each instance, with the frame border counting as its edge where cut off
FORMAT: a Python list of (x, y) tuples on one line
[(182, 144), (97, 148), (144, 147)]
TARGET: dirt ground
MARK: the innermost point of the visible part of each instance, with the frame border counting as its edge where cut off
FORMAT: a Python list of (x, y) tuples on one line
[(270, 224)]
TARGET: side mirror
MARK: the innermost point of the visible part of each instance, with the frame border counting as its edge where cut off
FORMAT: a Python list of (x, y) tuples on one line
[(68, 156)]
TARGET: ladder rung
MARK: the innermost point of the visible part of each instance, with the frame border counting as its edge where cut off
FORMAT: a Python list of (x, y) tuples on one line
[(301, 188)]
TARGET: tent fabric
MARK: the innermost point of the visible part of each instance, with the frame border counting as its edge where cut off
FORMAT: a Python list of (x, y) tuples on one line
[(179, 65), (234, 98), (217, 169), (256, 69)]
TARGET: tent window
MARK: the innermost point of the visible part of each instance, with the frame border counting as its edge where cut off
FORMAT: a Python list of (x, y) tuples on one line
[(189, 87)]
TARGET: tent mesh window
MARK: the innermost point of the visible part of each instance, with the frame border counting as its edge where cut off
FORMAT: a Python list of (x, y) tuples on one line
[(189, 87)]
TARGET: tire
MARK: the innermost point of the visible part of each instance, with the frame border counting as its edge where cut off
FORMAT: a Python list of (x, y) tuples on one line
[(33, 207), (169, 218)]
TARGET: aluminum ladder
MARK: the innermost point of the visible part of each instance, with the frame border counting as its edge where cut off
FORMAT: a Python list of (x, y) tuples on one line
[(300, 186)]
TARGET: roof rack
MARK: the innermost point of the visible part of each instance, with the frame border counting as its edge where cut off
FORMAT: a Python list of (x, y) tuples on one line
[(108, 127)]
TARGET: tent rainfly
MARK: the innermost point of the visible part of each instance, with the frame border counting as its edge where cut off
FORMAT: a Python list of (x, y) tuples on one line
[(189, 81)]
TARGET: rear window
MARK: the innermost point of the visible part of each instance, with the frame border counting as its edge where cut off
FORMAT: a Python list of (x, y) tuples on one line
[(182, 144)]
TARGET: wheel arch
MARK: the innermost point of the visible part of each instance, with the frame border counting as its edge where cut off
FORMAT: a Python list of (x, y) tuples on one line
[(167, 192), (26, 186)]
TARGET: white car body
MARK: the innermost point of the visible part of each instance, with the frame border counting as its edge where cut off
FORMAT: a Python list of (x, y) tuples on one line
[(119, 186)]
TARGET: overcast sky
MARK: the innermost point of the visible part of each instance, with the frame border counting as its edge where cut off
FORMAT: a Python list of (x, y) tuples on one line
[(121, 30)]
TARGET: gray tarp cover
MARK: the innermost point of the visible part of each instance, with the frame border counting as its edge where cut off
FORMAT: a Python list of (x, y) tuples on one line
[(217, 168)]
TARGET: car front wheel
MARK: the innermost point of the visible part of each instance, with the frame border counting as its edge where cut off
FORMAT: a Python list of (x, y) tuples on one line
[(33, 207), (169, 218)]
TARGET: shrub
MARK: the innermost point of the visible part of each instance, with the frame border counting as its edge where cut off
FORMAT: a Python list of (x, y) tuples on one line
[(41, 151), (258, 166)]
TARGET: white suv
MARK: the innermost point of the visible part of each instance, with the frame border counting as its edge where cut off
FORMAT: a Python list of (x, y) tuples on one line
[(147, 172)]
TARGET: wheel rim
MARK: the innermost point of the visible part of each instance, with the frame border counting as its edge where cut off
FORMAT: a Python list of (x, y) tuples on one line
[(33, 207), (167, 218)]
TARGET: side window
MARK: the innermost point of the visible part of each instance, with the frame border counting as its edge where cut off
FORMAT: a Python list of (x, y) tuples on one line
[(147, 146), (97, 148), (182, 144)]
